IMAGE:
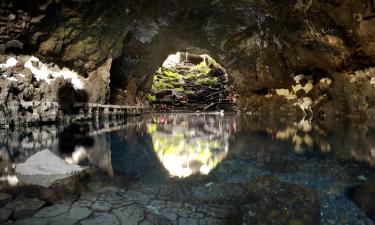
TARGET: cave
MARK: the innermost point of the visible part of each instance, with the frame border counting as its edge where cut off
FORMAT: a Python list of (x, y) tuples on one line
[(171, 112), (192, 82)]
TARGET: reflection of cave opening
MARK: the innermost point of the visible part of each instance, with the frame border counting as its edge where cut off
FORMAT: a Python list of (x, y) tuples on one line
[(188, 145), (192, 82)]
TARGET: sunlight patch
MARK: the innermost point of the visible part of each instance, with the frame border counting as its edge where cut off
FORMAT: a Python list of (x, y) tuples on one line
[(11, 62), (44, 72), (41, 71)]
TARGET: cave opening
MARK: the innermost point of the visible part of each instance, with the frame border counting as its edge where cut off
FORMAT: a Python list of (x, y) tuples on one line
[(192, 82)]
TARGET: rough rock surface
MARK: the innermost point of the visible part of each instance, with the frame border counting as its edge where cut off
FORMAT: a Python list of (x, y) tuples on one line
[(45, 163), (180, 204), (97, 84), (24, 208), (262, 44), (364, 196), (4, 199)]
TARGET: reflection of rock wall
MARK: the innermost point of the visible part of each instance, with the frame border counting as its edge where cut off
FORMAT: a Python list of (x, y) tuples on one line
[(18, 145), (100, 154), (85, 142), (133, 155), (344, 140)]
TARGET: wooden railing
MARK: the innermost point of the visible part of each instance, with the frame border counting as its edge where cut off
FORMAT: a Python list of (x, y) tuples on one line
[(26, 112)]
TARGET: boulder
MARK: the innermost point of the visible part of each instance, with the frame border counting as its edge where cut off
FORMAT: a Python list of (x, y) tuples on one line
[(97, 84), (46, 163), (364, 196), (14, 44), (5, 198), (5, 214), (24, 208)]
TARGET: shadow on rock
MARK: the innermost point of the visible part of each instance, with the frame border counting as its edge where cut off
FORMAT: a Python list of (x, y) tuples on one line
[(68, 97), (364, 197)]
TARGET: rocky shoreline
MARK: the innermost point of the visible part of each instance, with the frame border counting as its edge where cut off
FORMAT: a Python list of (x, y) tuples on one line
[(99, 203)]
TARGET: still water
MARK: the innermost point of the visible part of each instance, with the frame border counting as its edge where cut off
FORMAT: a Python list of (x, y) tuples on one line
[(267, 171)]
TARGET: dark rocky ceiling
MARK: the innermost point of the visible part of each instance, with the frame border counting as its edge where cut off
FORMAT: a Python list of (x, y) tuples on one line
[(262, 43)]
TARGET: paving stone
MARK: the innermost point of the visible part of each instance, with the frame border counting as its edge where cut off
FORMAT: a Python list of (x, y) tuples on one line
[(5, 198), (78, 213), (222, 211), (146, 222), (52, 211), (24, 208), (170, 216), (83, 203), (95, 185), (120, 203), (61, 221), (89, 197), (160, 204), (110, 189), (5, 214), (101, 206), (158, 220), (32, 221), (187, 221), (184, 211), (174, 205), (101, 218), (196, 215), (210, 221), (136, 196), (130, 215), (110, 196)]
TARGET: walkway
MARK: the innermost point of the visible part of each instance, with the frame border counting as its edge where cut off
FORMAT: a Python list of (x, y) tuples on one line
[(31, 112)]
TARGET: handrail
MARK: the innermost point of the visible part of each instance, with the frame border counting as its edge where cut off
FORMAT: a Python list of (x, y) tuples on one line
[(56, 104), (109, 110)]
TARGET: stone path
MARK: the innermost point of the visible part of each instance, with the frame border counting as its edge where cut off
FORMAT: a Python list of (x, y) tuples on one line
[(170, 204), (108, 206)]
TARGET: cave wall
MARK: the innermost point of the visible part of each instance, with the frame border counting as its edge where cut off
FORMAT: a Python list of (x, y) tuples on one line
[(263, 44)]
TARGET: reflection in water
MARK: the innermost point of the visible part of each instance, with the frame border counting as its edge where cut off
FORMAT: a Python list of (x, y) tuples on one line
[(78, 144), (181, 145), (299, 134), (188, 144), (348, 140), (313, 159), (11, 180)]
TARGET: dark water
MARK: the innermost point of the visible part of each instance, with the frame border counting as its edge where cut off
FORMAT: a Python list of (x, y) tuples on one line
[(189, 156)]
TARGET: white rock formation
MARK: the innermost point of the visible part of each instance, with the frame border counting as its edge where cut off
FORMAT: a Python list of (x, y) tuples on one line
[(46, 163), (43, 71)]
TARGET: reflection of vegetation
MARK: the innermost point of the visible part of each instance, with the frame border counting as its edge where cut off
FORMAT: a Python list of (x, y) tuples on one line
[(183, 152)]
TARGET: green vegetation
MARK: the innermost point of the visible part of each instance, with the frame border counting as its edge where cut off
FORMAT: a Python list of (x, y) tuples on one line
[(185, 81), (208, 81), (201, 68), (151, 98), (173, 79)]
